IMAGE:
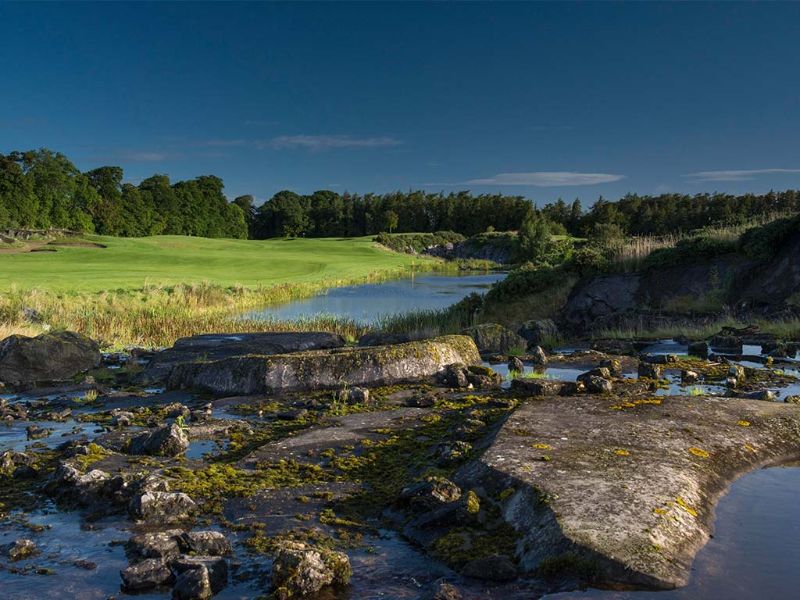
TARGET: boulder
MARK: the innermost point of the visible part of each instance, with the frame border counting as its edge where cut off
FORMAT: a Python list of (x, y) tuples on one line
[(320, 369), (168, 440), (218, 346), (355, 395), (146, 575), (161, 507), (300, 570), (47, 357), (493, 338), (597, 385), (208, 543), (539, 331), (199, 577), (158, 544), (699, 349), (649, 371)]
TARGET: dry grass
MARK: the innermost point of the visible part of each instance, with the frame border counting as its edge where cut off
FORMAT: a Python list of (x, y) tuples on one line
[(630, 254), (157, 316)]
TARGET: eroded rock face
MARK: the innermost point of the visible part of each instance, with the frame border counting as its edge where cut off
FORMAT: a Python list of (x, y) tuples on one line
[(217, 346), (628, 487), (379, 365), (47, 357), (300, 570), (539, 331)]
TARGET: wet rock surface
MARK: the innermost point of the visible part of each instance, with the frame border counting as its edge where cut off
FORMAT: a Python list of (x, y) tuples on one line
[(218, 346), (627, 487), (381, 365), (392, 476)]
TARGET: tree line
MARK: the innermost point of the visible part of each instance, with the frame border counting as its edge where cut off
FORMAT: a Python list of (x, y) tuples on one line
[(635, 214), (41, 189)]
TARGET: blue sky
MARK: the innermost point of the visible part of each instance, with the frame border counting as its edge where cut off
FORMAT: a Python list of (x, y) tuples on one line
[(540, 100)]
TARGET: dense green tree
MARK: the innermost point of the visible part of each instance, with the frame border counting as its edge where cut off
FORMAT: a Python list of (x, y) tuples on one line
[(534, 237)]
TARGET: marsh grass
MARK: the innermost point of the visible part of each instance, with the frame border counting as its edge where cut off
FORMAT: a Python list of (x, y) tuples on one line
[(787, 329), (631, 254), (158, 315)]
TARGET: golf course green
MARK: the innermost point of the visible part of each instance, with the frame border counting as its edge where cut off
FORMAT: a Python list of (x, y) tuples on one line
[(131, 263)]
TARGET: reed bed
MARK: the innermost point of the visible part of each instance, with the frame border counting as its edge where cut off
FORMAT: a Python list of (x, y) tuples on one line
[(156, 316)]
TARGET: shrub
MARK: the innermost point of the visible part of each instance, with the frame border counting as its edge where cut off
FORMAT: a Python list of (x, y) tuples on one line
[(762, 243)]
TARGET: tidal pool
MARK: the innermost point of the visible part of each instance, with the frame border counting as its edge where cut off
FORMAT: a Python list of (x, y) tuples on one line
[(370, 302)]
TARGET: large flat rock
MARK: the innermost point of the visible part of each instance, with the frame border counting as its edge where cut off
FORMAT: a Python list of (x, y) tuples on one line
[(216, 346), (629, 486), (321, 369)]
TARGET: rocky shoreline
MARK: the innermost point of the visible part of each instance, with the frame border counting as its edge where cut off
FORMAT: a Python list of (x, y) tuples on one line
[(291, 452)]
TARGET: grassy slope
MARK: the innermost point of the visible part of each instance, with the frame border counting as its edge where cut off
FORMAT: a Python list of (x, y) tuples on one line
[(130, 263)]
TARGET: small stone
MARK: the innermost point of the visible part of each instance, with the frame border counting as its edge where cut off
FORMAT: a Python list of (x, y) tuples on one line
[(431, 493), (689, 376), (449, 453), (300, 570), (515, 365), (792, 399), (445, 591), (538, 357), (613, 365), (34, 432), (21, 549)]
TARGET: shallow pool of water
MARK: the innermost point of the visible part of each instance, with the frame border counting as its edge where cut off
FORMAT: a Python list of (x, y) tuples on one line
[(754, 551), (370, 302)]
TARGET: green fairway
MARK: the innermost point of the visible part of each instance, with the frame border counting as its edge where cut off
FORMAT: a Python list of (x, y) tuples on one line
[(130, 263)]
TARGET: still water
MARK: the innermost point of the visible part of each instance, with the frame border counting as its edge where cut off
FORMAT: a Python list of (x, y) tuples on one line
[(754, 551), (368, 303)]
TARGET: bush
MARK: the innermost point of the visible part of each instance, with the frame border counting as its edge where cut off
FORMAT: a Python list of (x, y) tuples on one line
[(762, 243), (690, 249), (525, 280)]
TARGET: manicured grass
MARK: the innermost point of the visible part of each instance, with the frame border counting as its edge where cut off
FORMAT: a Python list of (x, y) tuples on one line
[(132, 263)]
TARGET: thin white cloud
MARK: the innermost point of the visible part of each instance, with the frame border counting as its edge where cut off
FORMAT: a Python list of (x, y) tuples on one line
[(547, 179), (738, 175), (327, 142)]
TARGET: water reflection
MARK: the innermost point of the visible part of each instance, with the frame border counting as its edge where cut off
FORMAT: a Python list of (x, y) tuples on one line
[(369, 302)]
